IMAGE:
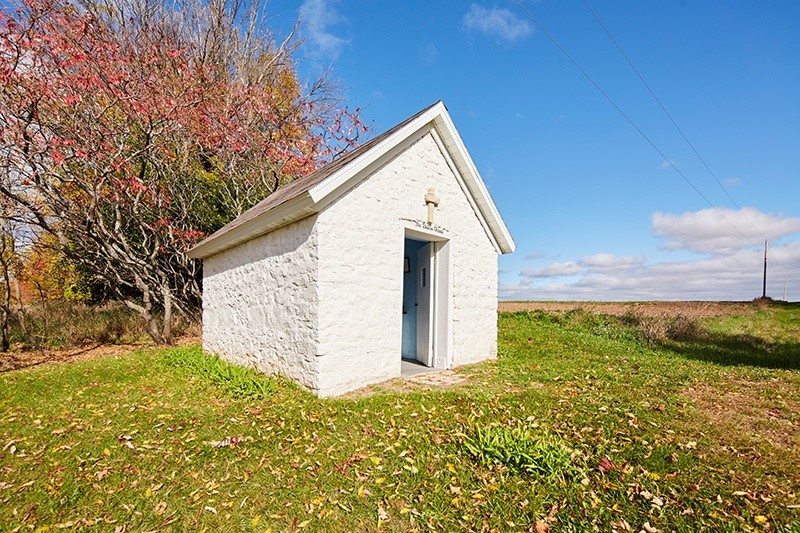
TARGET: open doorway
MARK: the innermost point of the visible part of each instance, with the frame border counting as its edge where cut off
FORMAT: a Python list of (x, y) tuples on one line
[(426, 294)]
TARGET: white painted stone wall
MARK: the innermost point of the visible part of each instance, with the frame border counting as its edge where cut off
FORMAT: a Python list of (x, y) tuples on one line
[(320, 300), (260, 303), (360, 239)]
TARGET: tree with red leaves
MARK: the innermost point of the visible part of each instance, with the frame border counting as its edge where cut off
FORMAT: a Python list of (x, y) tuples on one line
[(132, 130)]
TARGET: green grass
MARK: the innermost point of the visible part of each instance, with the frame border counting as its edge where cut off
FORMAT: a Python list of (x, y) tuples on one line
[(237, 381), (583, 421), (524, 451)]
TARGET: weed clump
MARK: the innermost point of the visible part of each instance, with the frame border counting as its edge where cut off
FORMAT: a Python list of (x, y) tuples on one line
[(65, 324), (523, 451), (238, 381), (677, 328)]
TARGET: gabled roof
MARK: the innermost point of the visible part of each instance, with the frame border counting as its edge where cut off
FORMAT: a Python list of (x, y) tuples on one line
[(311, 193)]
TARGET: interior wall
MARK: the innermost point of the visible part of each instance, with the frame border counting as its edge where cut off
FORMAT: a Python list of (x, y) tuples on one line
[(409, 344)]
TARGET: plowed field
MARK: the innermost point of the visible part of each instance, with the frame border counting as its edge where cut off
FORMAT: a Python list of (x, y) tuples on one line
[(649, 309)]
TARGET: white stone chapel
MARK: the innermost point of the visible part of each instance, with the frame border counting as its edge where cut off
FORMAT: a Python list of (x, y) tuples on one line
[(387, 253)]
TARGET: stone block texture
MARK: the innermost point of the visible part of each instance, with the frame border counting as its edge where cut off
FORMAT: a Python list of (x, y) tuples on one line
[(320, 300), (260, 303)]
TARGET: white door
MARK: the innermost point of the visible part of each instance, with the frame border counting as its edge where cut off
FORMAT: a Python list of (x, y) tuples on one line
[(425, 292)]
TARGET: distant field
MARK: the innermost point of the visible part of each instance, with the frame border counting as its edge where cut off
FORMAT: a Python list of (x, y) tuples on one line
[(650, 309)]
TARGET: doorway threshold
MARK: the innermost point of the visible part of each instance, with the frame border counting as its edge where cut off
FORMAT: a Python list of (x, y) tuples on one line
[(409, 368)]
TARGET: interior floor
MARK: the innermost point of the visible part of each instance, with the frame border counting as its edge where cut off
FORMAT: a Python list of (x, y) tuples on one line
[(410, 368)]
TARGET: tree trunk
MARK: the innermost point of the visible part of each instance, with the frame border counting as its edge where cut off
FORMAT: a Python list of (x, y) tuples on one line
[(152, 329), (167, 321), (5, 344), (145, 311), (6, 308), (21, 308)]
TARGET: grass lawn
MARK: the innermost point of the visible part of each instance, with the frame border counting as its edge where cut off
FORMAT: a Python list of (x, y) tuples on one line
[(584, 420)]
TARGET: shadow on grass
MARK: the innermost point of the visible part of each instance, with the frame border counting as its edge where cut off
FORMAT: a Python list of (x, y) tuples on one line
[(736, 350), (687, 336)]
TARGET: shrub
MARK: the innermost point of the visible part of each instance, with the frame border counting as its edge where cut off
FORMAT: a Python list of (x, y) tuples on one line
[(668, 328), (522, 451), (238, 381)]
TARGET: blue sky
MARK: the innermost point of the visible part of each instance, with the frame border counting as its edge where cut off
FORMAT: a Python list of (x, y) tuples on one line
[(597, 213)]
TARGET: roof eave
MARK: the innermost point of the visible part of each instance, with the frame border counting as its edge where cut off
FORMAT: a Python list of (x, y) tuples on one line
[(290, 211)]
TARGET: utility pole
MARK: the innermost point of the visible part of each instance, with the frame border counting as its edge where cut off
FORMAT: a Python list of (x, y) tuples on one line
[(764, 294)]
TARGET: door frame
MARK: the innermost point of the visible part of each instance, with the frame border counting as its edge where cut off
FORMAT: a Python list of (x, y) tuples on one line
[(441, 280)]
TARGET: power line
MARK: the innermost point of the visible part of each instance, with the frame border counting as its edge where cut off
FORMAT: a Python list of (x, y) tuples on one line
[(675, 124), (614, 104)]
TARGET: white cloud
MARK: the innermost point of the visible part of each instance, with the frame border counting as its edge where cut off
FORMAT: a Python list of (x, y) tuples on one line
[(554, 270), (731, 182), (720, 231), (496, 22), (736, 276), (536, 255), (317, 17), (429, 54), (730, 269), (669, 163), (604, 262)]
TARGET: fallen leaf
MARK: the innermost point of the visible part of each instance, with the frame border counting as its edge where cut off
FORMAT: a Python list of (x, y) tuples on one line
[(621, 524), (606, 465), (540, 527), (657, 502)]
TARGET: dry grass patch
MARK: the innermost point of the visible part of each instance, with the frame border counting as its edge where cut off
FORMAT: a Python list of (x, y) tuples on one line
[(17, 360), (751, 412)]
